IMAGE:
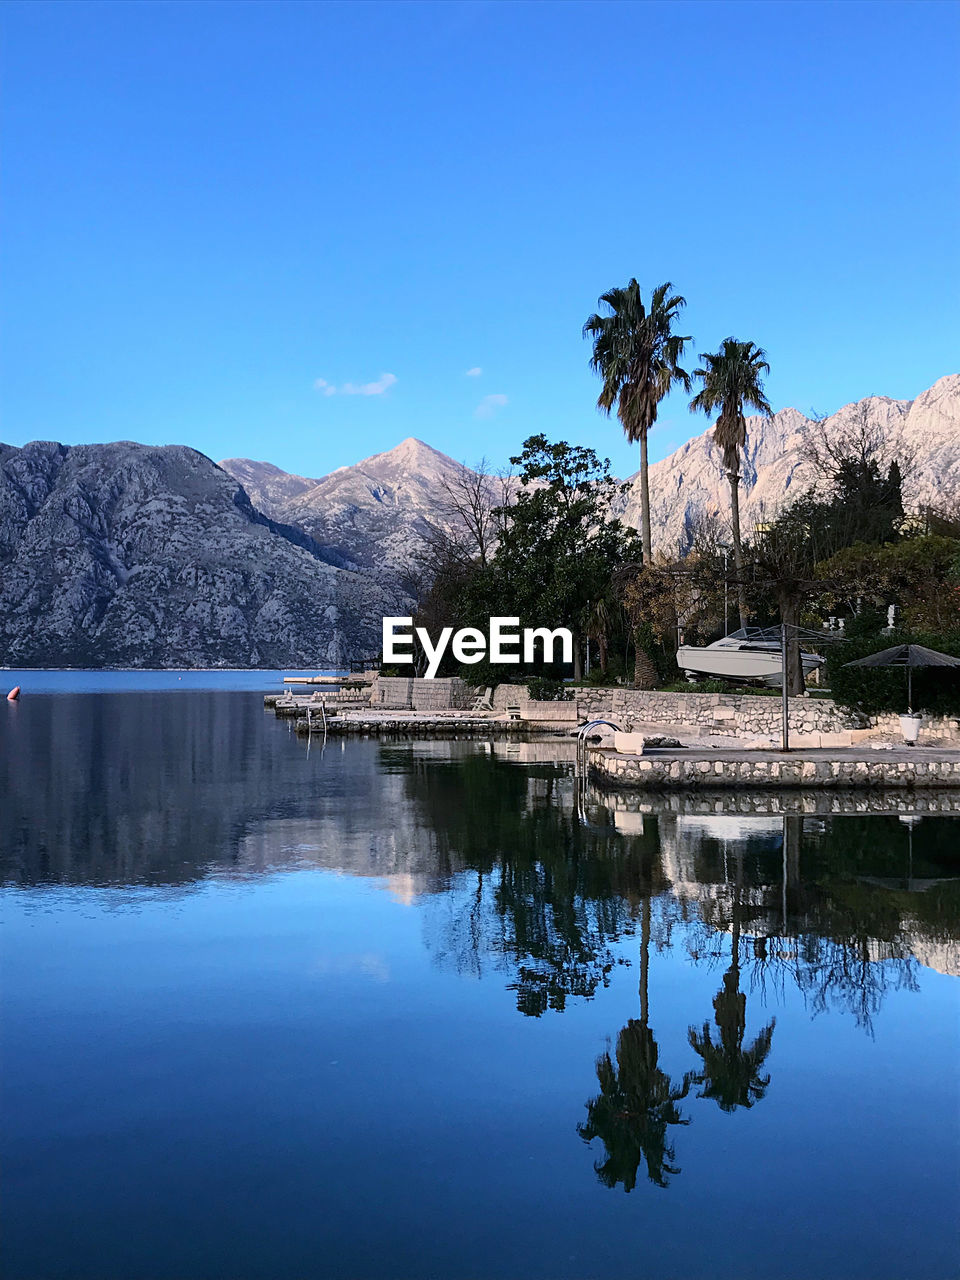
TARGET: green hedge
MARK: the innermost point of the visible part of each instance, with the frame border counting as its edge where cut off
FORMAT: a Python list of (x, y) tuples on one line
[(543, 690), (875, 690)]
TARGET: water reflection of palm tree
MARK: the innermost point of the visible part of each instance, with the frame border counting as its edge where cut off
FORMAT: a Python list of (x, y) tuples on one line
[(637, 1101), (732, 1075)]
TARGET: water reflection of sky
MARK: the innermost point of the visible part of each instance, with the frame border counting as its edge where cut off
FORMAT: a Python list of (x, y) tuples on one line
[(400, 1009)]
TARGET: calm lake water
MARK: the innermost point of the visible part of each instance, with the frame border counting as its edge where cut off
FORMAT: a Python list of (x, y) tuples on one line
[(407, 1011), (32, 680)]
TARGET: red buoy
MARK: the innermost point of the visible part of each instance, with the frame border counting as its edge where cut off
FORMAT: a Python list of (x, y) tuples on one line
[(14, 693)]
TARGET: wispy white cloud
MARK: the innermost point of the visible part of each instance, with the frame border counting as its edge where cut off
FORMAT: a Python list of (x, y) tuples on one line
[(475, 372), (382, 384), (489, 405)]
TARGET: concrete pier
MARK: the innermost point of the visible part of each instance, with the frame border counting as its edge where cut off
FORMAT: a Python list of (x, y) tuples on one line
[(823, 768)]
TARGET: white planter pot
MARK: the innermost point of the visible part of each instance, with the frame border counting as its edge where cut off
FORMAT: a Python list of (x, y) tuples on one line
[(910, 727)]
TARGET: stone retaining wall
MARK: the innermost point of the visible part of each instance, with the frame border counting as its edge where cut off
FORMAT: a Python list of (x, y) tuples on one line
[(813, 721), (517, 695), (741, 715), (933, 729), (549, 712), (441, 694), (393, 693), (506, 695), (747, 715), (421, 726), (867, 770)]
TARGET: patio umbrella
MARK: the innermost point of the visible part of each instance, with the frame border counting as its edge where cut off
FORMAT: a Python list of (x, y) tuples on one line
[(909, 656)]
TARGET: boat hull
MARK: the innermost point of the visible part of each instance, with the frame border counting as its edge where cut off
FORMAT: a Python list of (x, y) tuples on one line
[(752, 666)]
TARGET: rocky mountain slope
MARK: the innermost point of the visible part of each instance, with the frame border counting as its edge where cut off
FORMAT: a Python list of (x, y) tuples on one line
[(690, 486), (122, 554), (371, 516)]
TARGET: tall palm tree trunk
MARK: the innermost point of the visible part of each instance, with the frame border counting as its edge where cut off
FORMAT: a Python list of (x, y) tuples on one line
[(645, 500), (734, 478)]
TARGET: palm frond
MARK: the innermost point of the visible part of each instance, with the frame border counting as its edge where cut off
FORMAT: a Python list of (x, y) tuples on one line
[(731, 379), (637, 353)]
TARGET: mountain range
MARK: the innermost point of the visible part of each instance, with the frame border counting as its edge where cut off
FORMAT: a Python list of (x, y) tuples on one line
[(130, 555), (373, 515), (127, 555)]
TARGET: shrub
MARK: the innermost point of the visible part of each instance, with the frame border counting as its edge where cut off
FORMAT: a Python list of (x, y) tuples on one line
[(700, 686), (543, 690), (720, 686)]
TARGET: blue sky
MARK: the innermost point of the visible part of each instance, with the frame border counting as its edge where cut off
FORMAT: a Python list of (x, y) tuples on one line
[(287, 231)]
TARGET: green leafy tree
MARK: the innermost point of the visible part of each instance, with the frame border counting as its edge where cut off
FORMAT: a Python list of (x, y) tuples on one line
[(637, 354), (921, 576), (676, 598), (860, 469), (558, 550), (732, 379), (784, 560)]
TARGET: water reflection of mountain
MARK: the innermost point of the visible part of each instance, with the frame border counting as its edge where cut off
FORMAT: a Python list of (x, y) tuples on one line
[(163, 788)]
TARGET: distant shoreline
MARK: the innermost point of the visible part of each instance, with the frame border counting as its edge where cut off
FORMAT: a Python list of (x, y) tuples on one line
[(321, 671)]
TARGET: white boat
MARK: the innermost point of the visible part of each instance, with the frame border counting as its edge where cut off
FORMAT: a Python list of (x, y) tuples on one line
[(751, 654)]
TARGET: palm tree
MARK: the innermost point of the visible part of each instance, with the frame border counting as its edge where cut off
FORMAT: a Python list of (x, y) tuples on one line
[(731, 379), (638, 355)]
